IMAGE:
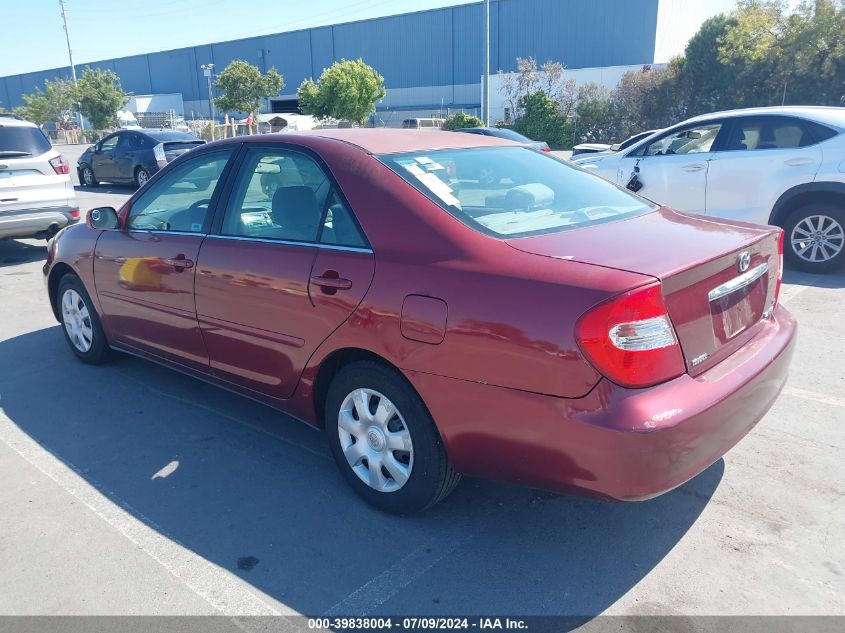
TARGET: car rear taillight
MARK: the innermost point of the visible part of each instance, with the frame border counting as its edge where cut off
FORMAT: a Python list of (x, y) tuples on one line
[(547, 149), (158, 152), (60, 164), (74, 213), (630, 339), (780, 266)]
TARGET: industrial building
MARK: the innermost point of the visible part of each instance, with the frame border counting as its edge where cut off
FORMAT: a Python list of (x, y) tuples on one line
[(431, 60)]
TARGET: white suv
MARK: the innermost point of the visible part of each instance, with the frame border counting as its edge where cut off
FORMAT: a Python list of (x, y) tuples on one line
[(36, 194), (783, 166)]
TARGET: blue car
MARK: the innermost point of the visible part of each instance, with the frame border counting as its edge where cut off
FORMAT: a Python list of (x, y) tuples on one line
[(132, 156)]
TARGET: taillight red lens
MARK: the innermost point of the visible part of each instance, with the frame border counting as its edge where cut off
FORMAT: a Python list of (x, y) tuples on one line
[(74, 213), (630, 339), (547, 149), (780, 266), (60, 164)]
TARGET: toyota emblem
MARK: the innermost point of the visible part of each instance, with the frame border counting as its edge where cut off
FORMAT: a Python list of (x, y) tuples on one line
[(744, 261)]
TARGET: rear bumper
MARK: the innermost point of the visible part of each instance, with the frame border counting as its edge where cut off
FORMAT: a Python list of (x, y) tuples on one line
[(617, 443), (22, 223)]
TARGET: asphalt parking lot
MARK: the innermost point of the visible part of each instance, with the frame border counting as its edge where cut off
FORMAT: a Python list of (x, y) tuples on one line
[(131, 489)]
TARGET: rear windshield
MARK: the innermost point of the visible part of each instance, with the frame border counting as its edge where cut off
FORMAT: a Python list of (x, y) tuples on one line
[(511, 135), (20, 140), (172, 136), (514, 191)]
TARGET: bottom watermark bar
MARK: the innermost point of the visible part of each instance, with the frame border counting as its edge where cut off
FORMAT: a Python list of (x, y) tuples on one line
[(534, 624)]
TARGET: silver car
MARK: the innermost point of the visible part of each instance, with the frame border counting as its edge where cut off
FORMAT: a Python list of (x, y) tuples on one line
[(36, 194)]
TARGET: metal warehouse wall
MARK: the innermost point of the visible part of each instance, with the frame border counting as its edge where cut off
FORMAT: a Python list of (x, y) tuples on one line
[(429, 48)]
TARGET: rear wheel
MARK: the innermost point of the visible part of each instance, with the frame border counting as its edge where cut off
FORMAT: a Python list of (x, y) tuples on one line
[(142, 176), (82, 328), (815, 238), (87, 177), (384, 440)]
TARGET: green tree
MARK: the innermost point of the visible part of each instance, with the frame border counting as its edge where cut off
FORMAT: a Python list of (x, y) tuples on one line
[(100, 96), (54, 103), (347, 91), (244, 87), (594, 115), (462, 120), (541, 120)]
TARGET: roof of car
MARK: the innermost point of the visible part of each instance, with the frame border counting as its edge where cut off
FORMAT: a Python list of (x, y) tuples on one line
[(394, 141), (13, 120), (831, 115)]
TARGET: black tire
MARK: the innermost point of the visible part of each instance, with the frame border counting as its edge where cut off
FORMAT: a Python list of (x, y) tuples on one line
[(87, 177), (142, 176), (833, 214), (431, 476), (99, 351)]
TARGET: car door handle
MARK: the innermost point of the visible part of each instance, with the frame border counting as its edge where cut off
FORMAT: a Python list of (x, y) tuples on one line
[(694, 167), (179, 263), (331, 283), (798, 161)]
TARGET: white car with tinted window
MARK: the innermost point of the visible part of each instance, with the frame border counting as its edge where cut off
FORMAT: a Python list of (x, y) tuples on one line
[(36, 194), (781, 165)]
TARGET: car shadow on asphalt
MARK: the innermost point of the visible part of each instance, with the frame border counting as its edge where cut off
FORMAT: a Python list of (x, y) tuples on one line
[(256, 493), (13, 252)]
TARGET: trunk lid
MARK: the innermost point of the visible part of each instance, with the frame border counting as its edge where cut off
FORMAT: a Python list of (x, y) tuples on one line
[(718, 276), (174, 149)]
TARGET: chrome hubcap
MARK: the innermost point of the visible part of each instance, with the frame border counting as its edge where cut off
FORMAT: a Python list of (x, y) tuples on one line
[(375, 440), (77, 320), (88, 176), (817, 238), (142, 178)]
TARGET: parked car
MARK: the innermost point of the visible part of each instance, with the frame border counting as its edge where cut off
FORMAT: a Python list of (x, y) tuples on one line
[(780, 166), (602, 149), (422, 123), (133, 156), (36, 194), (510, 135), (562, 333)]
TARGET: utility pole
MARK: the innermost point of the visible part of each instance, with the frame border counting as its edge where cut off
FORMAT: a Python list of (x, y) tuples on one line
[(485, 80), (207, 70), (70, 54)]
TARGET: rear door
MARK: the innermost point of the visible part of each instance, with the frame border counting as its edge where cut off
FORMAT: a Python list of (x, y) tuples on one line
[(126, 156), (286, 266), (775, 153), (144, 272), (673, 167), (103, 160)]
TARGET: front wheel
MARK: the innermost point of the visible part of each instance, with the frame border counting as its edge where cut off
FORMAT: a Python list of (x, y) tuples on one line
[(87, 177), (384, 440), (814, 237), (82, 328)]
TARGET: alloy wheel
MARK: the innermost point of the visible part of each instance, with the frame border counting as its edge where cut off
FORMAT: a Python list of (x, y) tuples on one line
[(817, 238), (77, 321), (88, 176), (143, 177), (375, 440)]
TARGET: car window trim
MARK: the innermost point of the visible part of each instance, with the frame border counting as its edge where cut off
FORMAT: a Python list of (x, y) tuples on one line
[(212, 203), (236, 166), (270, 240)]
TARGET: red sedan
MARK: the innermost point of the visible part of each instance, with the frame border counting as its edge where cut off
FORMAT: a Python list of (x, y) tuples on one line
[(547, 327)]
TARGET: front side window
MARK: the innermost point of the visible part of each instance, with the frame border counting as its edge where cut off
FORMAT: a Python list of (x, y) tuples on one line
[(180, 199), (109, 143), (514, 191), (690, 140), (285, 195)]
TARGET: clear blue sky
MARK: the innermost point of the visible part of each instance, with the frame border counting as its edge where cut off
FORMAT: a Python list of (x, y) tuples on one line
[(31, 36)]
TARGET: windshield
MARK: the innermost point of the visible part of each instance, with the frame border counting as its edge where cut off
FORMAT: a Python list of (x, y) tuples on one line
[(21, 140), (513, 191)]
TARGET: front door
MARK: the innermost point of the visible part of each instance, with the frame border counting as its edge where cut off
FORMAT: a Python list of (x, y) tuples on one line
[(125, 156), (103, 160), (673, 167), (144, 272), (288, 265)]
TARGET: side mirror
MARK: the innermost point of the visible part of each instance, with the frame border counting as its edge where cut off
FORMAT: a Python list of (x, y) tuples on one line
[(616, 147), (102, 218)]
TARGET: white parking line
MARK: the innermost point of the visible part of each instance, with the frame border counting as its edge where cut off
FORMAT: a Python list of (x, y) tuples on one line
[(222, 590), (815, 397)]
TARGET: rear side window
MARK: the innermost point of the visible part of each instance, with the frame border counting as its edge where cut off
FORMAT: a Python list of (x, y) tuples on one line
[(819, 132), (20, 140), (769, 132), (514, 191)]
